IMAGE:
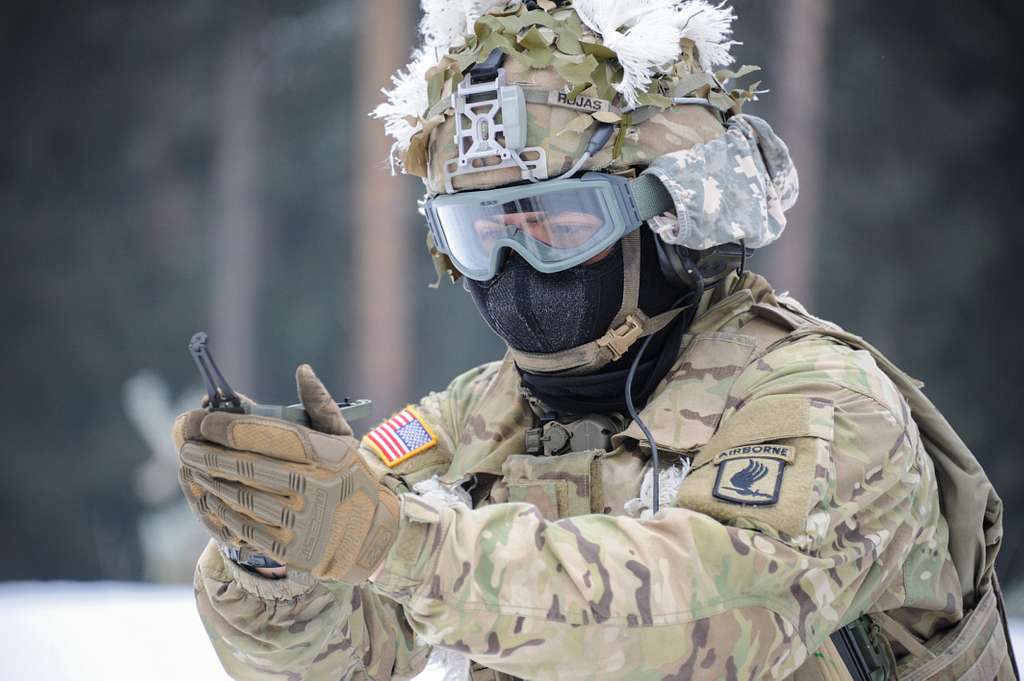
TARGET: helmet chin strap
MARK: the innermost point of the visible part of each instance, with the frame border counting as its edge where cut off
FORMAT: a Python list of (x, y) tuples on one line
[(629, 326)]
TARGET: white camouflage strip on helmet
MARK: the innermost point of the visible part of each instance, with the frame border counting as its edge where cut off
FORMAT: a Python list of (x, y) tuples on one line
[(647, 35), (735, 187)]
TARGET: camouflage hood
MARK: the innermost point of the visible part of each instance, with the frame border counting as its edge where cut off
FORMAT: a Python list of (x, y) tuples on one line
[(734, 188)]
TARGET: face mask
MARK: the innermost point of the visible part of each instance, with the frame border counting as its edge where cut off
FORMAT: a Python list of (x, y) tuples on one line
[(547, 313)]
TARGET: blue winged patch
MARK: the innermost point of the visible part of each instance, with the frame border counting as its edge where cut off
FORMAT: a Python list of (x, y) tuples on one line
[(749, 481)]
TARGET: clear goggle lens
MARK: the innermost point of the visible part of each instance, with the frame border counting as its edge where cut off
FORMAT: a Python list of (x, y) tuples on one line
[(553, 231)]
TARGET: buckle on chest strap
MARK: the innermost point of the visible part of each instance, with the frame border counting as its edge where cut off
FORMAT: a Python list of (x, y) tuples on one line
[(618, 340)]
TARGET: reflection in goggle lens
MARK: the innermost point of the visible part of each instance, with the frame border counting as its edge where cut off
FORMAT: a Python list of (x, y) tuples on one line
[(553, 228), (563, 230)]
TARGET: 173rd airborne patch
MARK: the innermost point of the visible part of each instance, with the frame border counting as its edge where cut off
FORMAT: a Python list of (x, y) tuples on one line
[(400, 438), (751, 475)]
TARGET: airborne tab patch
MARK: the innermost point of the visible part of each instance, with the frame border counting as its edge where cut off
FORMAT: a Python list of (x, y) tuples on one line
[(751, 475), (400, 438)]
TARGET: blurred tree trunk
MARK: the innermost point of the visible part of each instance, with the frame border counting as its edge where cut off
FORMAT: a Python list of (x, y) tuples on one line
[(382, 207), (239, 232), (799, 94)]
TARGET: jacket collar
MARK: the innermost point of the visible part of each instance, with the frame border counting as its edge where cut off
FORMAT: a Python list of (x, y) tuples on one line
[(682, 413)]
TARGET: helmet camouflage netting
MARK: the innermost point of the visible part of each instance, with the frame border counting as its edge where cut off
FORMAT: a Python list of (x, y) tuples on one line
[(576, 65)]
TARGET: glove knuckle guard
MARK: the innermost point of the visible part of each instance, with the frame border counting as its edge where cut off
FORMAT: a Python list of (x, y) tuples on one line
[(325, 511), (363, 527), (266, 436)]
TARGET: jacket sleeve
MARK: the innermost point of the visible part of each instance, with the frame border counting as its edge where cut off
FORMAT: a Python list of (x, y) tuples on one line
[(686, 595), (261, 628), (305, 629)]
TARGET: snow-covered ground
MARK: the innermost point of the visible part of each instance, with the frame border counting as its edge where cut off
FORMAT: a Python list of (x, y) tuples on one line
[(112, 631), (115, 632)]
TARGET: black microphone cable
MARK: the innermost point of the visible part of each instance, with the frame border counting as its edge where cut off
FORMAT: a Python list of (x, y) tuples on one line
[(691, 311)]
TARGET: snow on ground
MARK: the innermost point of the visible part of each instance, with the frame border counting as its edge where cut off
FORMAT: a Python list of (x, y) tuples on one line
[(119, 632), (93, 631)]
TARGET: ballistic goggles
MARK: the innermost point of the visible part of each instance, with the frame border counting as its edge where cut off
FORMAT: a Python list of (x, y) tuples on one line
[(553, 225)]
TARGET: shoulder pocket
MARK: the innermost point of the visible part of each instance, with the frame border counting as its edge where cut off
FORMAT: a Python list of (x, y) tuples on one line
[(766, 468)]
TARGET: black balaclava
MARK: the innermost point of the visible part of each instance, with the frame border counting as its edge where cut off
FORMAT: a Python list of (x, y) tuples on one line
[(547, 313)]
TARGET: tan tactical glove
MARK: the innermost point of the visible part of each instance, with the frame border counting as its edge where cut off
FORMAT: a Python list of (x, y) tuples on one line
[(303, 497)]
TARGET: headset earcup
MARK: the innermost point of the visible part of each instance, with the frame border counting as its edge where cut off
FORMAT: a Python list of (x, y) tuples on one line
[(673, 263)]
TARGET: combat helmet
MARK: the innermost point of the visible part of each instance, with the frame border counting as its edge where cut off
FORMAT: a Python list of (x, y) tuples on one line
[(505, 93)]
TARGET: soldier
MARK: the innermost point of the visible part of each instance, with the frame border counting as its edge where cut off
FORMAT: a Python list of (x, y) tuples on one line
[(674, 473)]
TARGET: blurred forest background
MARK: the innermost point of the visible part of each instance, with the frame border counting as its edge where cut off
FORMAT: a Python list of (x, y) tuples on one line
[(167, 167)]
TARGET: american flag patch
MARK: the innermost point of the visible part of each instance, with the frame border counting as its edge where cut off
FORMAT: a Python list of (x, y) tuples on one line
[(401, 437)]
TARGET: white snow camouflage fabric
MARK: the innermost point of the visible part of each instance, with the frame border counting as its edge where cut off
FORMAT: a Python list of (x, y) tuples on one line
[(737, 186)]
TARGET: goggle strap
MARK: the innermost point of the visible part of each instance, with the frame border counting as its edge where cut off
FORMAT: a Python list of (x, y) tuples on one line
[(443, 265), (651, 197)]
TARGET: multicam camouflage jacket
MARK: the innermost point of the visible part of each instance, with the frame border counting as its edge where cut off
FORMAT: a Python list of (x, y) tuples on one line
[(809, 501)]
